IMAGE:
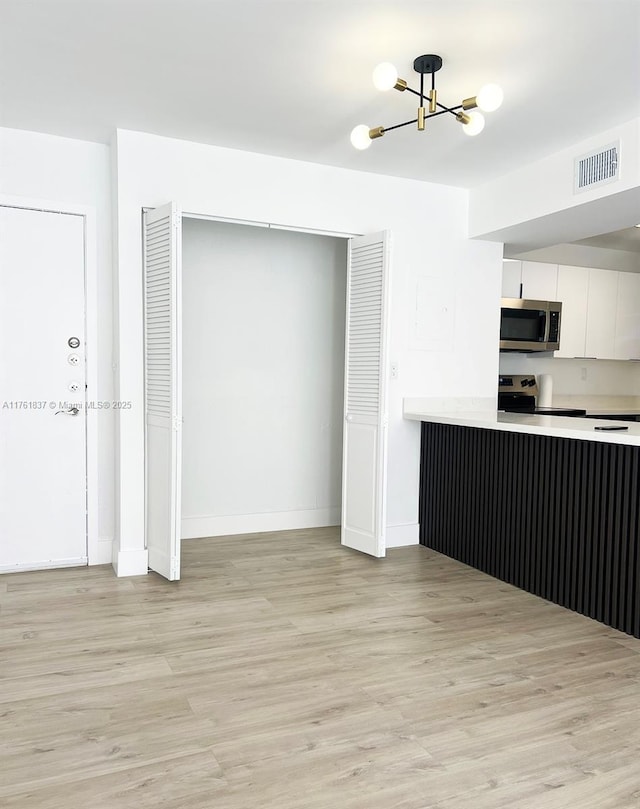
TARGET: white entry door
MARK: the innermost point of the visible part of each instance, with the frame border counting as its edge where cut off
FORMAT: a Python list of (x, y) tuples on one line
[(365, 429), (43, 490)]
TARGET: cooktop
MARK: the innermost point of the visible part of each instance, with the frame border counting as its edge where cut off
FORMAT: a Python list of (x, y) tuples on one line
[(546, 411)]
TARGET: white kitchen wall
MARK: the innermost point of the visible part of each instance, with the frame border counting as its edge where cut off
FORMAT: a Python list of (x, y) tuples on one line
[(263, 374), (436, 273), (578, 377), (42, 167)]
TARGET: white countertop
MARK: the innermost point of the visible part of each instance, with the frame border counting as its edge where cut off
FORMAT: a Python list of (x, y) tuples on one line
[(558, 426)]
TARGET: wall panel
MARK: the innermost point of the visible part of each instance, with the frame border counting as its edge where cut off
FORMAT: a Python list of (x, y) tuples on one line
[(554, 516)]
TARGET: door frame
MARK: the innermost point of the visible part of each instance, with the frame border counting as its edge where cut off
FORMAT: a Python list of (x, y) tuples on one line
[(347, 237), (95, 554)]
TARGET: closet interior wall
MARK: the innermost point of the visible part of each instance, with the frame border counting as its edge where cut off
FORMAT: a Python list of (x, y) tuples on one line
[(263, 378)]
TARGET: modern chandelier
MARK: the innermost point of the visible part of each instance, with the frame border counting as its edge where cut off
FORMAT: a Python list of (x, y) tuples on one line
[(385, 77)]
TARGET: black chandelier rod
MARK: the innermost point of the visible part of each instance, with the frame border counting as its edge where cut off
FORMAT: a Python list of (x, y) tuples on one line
[(415, 120)]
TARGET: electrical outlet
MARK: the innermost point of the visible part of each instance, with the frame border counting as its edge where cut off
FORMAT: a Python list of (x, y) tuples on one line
[(394, 370), (583, 374)]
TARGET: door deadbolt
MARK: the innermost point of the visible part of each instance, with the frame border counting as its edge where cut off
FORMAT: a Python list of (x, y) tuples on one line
[(73, 342)]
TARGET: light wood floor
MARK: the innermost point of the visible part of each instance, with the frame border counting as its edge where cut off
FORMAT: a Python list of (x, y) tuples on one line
[(283, 671)]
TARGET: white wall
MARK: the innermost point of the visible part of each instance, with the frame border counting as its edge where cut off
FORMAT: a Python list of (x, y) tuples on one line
[(578, 377), (535, 206), (263, 375), (41, 167), (430, 251)]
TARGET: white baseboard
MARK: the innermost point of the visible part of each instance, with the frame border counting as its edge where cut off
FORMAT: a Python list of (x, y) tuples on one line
[(400, 535), (198, 527), (130, 563), (46, 564)]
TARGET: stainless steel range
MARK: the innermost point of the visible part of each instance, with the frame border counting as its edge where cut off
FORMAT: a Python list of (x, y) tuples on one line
[(518, 393)]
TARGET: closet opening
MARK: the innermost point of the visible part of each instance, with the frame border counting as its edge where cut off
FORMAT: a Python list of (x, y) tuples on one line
[(263, 363), (266, 357)]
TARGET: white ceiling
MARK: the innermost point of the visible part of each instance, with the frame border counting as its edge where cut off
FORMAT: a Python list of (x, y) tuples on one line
[(627, 239), (292, 77)]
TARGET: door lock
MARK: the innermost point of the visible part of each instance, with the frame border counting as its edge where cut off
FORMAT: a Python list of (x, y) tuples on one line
[(73, 342)]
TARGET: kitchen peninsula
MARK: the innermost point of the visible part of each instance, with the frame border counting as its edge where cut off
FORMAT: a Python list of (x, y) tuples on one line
[(547, 503)]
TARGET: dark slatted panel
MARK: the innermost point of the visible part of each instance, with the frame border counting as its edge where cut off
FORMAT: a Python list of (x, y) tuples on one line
[(553, 516)]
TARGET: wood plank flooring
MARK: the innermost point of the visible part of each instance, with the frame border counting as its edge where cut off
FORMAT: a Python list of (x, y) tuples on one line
[(284, 671)]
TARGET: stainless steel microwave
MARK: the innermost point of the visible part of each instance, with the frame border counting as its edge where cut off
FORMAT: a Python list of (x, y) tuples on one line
[(529, 325)]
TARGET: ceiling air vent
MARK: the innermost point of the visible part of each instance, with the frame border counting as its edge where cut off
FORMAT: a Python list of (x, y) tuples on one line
[(597, 168)]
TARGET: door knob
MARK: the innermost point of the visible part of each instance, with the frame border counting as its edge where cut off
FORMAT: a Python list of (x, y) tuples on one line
[(72, 411)]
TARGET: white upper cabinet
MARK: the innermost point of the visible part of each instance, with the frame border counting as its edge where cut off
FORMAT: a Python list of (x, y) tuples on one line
[(573, 291), (538, 280), (600, 308), (511, 279), (602, 314), (627, 336), (589, 300)]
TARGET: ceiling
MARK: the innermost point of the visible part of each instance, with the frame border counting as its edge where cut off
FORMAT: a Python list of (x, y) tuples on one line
[(293, 77), (627, 239)]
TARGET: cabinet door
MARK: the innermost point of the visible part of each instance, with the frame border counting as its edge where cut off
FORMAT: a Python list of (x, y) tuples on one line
[(627, 340), (601, 314), (572, 292), (539, 281), (511, 271)]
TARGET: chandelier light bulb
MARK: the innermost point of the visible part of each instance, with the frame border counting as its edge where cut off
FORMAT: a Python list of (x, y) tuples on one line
[(490, 97), (475, 125), (360, 137), (385, 76)]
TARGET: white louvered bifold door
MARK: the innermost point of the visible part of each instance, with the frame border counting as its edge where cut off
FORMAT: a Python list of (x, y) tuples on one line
[(365, 427), (163, 387)]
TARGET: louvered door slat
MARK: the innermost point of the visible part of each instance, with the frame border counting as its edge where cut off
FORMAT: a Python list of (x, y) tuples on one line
[(163, 450), (364, 461)]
